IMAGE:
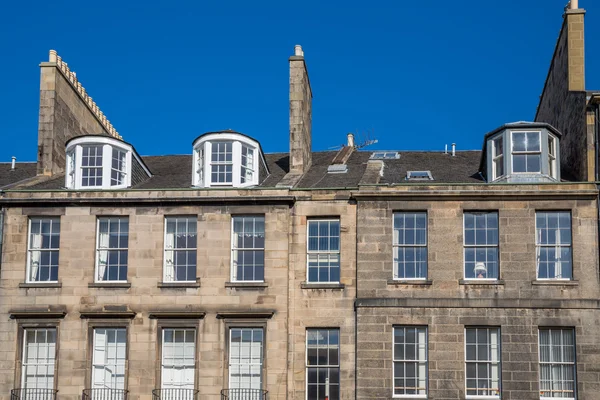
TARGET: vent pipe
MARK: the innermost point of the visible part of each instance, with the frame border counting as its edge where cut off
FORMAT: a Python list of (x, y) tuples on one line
[(12, 164), (446, 149), (453, 149)]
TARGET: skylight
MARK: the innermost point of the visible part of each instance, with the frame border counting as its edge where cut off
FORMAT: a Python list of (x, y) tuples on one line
[(419, 176), (385, 155)]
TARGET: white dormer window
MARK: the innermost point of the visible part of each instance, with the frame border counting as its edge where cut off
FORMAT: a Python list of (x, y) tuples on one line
[(232, 160), (99, 162)]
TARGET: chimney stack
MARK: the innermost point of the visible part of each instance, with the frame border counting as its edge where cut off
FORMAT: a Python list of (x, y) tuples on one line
[(350, 140), (300, 114)]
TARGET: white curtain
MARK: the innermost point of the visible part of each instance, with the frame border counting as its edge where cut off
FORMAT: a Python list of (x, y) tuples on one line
[(169, 255), (102, 254), (36, 245)]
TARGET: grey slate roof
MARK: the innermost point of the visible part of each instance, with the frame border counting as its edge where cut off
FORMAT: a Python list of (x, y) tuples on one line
[(175, 171), (23, 170), (445, 168)]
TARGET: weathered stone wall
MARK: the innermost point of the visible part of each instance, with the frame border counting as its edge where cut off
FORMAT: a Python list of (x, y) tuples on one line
[(563, 100), (145, 271), (138, 175), (518, 304), (63, 115), (445, 249), (313, 307), (446, 357)]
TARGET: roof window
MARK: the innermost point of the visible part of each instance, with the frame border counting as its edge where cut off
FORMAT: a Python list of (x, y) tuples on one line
[(385, 155), (419, 176)]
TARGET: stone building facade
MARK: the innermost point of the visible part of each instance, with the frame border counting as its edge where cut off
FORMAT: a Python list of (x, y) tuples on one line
[(228, 273)]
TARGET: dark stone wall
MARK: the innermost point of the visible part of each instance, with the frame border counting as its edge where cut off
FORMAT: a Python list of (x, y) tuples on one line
[(446, 358)]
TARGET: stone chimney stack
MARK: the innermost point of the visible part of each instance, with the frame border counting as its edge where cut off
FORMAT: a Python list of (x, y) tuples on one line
[(563, 100), (574, 21), (300, 114), (66, 111)]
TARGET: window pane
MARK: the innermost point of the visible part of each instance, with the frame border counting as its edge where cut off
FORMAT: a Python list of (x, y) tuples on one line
[(553, 239), (323, 256), (410, 361), (38, 358), (180, 249), (410, 245), (557, 362)]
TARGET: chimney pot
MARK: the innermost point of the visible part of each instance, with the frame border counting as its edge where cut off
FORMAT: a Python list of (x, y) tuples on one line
[(52, 57), (350, 140), (298, 51), (13, 163), (574, 4), (453, 149)]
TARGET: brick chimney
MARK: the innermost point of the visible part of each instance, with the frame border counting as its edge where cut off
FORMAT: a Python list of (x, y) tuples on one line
[(300, 114), (563, 100), (66, 111)]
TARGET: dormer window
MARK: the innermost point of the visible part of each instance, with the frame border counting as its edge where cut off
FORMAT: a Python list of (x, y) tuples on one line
[(101, 162), (526, 152), (532, 154), (232, 160)]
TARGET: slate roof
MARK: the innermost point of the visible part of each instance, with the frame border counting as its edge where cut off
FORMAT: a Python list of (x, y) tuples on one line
[(444, 168), (174, 171), (23, 170)]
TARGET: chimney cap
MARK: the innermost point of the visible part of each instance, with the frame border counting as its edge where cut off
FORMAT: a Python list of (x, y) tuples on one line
[(298, 51)]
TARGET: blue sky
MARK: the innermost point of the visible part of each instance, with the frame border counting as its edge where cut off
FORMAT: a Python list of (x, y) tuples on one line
[(412, 74)]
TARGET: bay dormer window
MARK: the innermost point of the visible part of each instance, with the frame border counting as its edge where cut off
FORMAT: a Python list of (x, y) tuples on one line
[(226, 159), (101, 162), (522, 152)]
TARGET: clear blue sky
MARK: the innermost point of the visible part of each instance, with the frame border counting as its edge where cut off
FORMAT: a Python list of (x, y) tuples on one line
[(415, 74)]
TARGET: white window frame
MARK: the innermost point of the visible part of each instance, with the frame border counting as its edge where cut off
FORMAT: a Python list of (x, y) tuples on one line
[(233, 268), (319, 252), (475, 246), (396, 245), (327, 366), (498, 158), (74, 173), (250, 363), (539, 246), (574, 363), (100, 247), (552, 164), (48, 363), (513, 152), (104, 362), (214, 145), (173, 250), (497, 362), (418, 361), (202, 160), (185, 365), (31, 248)]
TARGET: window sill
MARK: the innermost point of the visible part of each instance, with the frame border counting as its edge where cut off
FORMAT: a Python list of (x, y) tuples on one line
[(31, 285), (556, 282), (110, 285), (247, 285), (178, 285), (481, 282), (410, 282), (313, 285)]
